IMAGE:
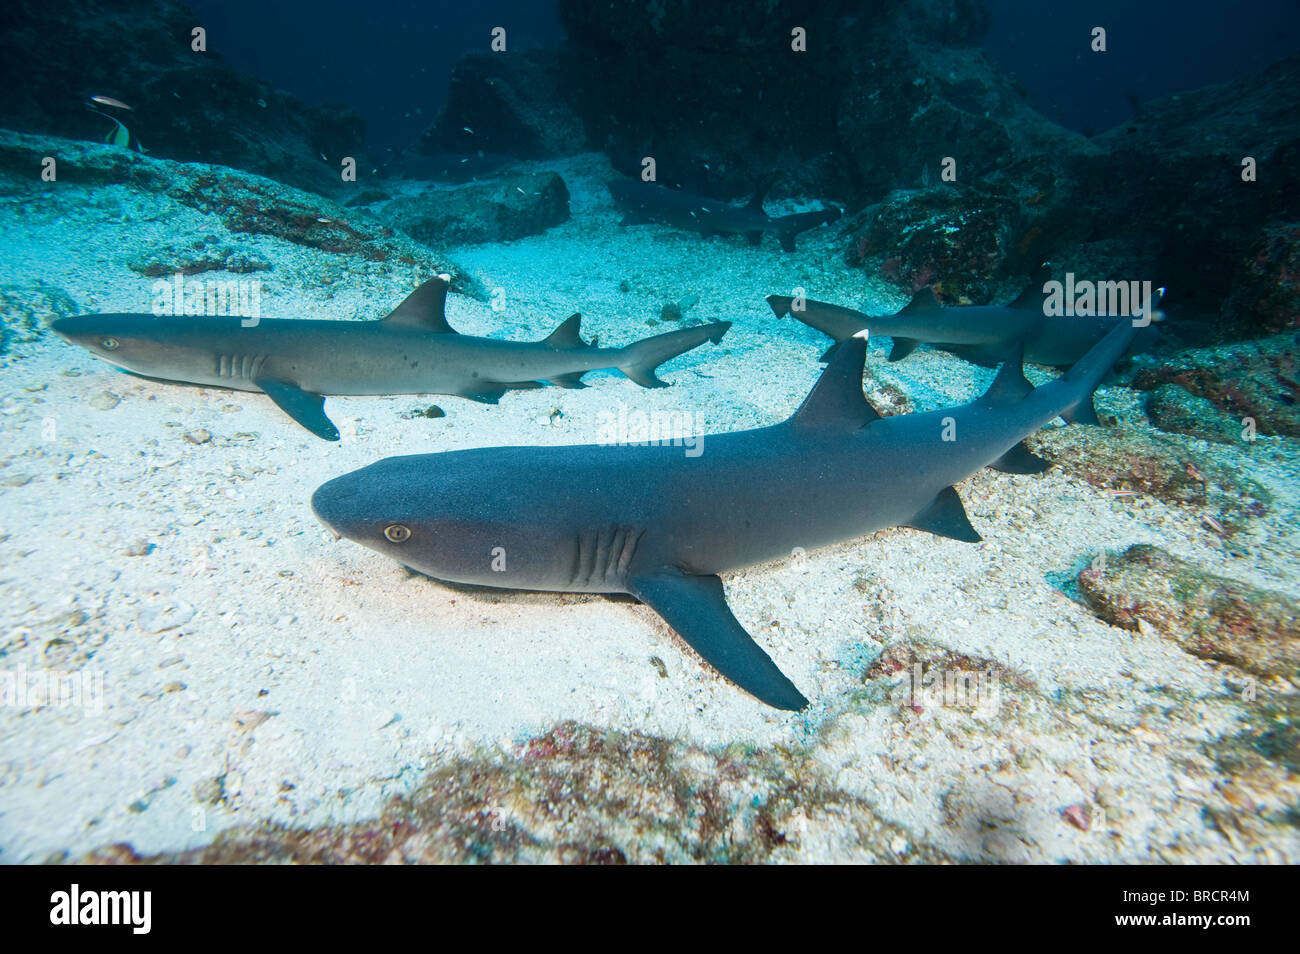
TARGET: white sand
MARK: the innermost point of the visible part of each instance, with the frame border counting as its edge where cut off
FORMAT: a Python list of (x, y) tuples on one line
[(370, 674)]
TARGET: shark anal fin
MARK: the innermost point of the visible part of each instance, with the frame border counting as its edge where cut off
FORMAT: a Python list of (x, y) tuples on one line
[(836, 400), (786, 238), (1085, 412), (571, 380), (423, 309), (754, 238), (696, 608), (1020, 460), (305, 407), (946, 517), (568, 334), (902, 348)]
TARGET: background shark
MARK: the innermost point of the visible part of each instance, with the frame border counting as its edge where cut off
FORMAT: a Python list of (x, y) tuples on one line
[(411, 351), (648, 202), (655, 523), (983, 334)]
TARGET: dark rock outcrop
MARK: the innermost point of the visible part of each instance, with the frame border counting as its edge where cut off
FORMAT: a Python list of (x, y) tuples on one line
[(186, 105), (522, 104), (1175, 174)]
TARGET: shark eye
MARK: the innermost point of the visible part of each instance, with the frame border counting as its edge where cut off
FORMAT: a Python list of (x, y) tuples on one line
[(110, 344), (397, 533)]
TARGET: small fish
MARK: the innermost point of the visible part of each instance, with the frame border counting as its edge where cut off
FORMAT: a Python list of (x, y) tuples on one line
[(262, 103), (121, 136), (1213, 524), (468, 130), (110, 101), (1121, 493)]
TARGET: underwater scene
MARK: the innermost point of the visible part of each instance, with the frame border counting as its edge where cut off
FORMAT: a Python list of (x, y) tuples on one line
[(649, 431)]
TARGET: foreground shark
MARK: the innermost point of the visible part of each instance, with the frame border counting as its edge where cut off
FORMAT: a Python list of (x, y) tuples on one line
[(983, 334), (411, 351), (648, 202), (661, 525)]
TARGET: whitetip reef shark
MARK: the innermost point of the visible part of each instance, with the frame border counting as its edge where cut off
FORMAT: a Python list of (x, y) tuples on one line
[(648, 202), (983, 334), (296, 362), (655, 523)]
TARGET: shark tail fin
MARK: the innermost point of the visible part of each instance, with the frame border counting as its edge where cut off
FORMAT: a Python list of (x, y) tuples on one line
[(640, 359), (780, 304), (1089, 371), (424, 309), (788, 226)]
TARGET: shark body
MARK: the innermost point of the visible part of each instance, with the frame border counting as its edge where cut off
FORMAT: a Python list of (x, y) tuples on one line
[(983, 334), (659, 525), (647, 202), (413, 350)]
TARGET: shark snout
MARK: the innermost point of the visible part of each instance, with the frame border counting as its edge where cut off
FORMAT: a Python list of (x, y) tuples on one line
[(333, 503)]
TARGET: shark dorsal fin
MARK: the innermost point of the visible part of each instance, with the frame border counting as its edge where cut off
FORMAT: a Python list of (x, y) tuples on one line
[(1010, 386), (923, 301), (1033, 293), (836, 400), (568, 334), (755, 202), (424, 309)]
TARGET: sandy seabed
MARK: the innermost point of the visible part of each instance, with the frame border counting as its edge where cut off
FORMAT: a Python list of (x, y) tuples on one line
[(245, 654)]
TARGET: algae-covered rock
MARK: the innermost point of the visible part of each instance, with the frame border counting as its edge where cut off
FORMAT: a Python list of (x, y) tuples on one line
[(1209, 616), (1125, 458), (482, 212), (581, 795), (1171, 408), (1259, 380)]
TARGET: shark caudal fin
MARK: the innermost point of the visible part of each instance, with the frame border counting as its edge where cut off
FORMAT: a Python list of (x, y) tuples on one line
[(640, 359), (424, 309), (788, 226), (1089, 371)]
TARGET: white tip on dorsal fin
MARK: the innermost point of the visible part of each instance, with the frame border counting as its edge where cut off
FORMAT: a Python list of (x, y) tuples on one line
[(424, 308)]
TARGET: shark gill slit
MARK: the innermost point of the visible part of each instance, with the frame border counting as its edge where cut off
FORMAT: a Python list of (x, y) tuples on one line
[(603, 556), (245, 366)]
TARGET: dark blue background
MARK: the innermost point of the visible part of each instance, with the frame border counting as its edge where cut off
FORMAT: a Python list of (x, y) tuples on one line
[(391, 59)]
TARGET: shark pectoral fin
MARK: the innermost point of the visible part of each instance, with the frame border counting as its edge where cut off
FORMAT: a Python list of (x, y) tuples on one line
[(305, 407), (946, 517), (902, 348), (1020, 460), (786, 238), (696, 608), (754, 238)]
